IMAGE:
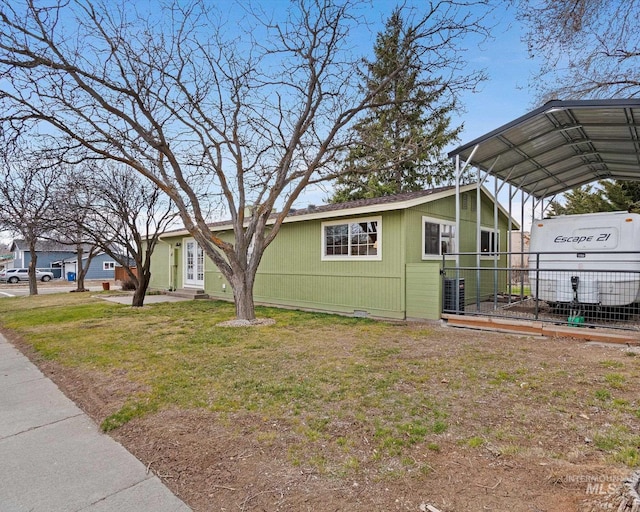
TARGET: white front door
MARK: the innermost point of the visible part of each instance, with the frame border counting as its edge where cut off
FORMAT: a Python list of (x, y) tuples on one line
[(193, 264)]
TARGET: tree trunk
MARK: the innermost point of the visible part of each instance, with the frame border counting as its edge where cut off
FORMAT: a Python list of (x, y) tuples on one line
[(141, 290), (33, 281), (242, 286), (81, 271), (80, 282)]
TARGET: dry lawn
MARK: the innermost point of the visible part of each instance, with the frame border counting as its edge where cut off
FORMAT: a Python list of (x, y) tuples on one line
[(320, 412)]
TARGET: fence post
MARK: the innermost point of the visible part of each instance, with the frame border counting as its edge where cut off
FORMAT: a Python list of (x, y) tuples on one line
[(442, 272), (537, 310)]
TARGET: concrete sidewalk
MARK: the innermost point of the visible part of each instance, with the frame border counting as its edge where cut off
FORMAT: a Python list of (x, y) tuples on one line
[(54, 458)]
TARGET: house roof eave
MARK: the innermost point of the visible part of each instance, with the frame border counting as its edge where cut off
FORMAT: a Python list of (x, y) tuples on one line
[(352, 211)]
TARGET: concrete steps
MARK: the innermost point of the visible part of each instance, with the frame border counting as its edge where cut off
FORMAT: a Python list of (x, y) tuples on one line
[(189, 293)]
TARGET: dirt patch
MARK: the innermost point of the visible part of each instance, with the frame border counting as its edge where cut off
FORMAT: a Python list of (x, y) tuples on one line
[(227, 465), (247, 461), (257, 322)]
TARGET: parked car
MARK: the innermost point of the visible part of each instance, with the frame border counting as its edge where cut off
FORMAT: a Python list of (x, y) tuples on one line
[(13, 275)]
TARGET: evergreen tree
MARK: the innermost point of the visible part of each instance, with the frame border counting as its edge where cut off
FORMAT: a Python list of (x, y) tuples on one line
[(399, 144), (618, 195), (631, 189), (608, 196)]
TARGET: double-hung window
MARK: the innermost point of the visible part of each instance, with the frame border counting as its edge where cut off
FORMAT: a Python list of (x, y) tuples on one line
[(489, 242), (108, 265), (352, 239), (438, 237)]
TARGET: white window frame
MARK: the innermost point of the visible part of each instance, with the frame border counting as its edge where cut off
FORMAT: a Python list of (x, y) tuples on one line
[(494, 236), (197, 265), (108, 265), (349, 257), (441, 223)]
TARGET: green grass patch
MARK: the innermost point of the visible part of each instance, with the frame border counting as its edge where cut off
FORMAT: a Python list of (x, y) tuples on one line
[(350, 392), (629, 456), (615, 380), (516, 289), (611, 364), (475, 442), (126, 414)]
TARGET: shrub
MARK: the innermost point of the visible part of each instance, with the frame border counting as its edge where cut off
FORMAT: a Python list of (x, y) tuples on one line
[(128, 285)]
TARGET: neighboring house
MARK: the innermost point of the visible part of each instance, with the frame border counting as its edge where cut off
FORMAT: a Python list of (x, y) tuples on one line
[(520, 249), (5, 261), (102, 266), (380, 257), (49, 255)]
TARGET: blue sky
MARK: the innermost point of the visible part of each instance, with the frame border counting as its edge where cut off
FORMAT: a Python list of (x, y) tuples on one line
[(502, 98), (506, 94)]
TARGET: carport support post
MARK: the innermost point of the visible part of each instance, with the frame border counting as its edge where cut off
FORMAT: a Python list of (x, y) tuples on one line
[(496, 241), (459, 172), (537, 310), (481, 181), (456, 236), (512, 194), (510, 246), (457, 233), (522, 243)]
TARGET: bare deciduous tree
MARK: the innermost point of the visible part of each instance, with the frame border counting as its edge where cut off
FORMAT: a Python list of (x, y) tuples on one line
[(26, 199), (590, 48), (73, 198), (125, 219), (219, 119)]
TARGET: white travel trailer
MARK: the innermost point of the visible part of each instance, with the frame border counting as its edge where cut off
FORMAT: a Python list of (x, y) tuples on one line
[(600, 251)]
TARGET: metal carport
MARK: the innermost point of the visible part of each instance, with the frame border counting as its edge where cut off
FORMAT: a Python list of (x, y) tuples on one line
[(560, 146), (554, 148)]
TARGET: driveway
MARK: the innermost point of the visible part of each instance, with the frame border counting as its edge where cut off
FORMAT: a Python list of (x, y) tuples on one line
[(56, 286)]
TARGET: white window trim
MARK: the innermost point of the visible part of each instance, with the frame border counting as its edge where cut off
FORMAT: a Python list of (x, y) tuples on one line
[(488, 255), (377, 257), (108, 265), (433, 220)]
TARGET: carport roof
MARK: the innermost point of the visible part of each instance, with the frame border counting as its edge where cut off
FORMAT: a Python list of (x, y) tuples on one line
[(562, 145)]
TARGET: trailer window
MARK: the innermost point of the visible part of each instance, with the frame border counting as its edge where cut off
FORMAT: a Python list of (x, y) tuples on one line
[(438, 237)]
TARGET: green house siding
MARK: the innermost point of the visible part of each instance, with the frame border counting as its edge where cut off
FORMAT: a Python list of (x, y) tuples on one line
[(166, 265), (423, 279), (161, 266), (424, 290), (293, 273)]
